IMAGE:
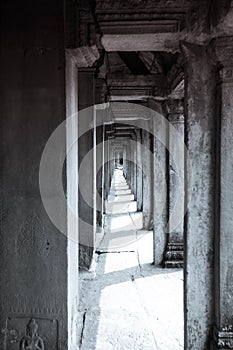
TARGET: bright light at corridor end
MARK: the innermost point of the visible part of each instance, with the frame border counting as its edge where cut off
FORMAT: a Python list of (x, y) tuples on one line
[(63, 144)]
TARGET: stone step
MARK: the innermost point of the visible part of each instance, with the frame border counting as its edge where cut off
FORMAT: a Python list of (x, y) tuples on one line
[(121, 207), (121, 198), (125, 222)]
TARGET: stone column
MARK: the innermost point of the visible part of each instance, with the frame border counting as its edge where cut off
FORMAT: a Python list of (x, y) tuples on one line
[(34, 254), (173, 256), (200, 140), (86, 93), (132, 163), (147, 205), (105, 164), (160, 175), (127, 163), (99, 160), (124, 163), (139, 169), (223, 330), (135, 165)]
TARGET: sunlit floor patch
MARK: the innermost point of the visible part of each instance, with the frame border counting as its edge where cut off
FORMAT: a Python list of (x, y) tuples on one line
[(127, 303)]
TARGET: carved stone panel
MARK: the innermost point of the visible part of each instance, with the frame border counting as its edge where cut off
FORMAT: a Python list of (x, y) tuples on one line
[(19, 334), (32, 238)]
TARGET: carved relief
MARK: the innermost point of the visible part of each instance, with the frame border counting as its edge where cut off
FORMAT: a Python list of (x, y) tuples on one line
[(32, 239), (86, 28), (223, 338), (224, 50), (31, 340), (20, 304), (3, 217), (3, 248), (226, 75), (17, 339), (174, 254), (142, 4)]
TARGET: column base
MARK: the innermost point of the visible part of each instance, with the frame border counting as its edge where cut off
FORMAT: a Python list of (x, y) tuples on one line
[(223, 338), (173, 256)]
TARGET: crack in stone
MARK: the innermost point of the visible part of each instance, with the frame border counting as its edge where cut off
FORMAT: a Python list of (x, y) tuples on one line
[(116, 252), (82, 330)]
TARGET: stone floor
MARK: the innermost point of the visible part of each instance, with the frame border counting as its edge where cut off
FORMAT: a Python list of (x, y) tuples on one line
[(125, 302)]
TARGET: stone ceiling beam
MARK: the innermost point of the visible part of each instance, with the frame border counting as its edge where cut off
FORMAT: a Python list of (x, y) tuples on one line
[(168, 42), (131, 87)]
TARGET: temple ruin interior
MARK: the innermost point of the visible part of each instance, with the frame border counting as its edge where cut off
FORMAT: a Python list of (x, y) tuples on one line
[(116, 175)]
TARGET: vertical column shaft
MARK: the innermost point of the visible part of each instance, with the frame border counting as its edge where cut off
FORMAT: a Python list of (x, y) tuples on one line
[(223, 330), (199, 223), (174, 248), (147, 206), (86, 95)]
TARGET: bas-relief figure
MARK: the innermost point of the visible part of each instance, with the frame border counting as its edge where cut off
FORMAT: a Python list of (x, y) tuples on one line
[(31, 341)]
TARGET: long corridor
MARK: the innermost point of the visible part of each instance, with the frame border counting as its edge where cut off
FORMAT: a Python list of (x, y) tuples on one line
[(125, 301)]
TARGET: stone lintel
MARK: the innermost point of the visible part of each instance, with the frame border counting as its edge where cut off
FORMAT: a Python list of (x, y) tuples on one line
[(139, 6), (127, 80), (138, 86), (168, 42)]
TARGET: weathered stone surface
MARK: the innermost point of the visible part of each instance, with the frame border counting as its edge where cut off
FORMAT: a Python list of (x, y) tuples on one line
[(160, 210), (174, 251), (32, 101), (223, 332), (147, 180), (200, 175)]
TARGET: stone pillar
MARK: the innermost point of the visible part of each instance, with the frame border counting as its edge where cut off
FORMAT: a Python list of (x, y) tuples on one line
[(173, 256), (139, 169), (223, 330), (160, 176), (86, 93), (99, 172), (127, 163), (147, 205), (34, 254), (134, 165), (105, 163), (200, 85), (124, 163)]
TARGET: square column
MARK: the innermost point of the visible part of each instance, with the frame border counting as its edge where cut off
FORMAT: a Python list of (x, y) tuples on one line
[(223, 329), (86, 94), (160, 180), (200, 141), (147, 204), (139, 169), (173, 257)]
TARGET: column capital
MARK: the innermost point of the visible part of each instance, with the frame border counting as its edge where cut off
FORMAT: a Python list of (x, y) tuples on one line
[(191, 51), (224, 56), (175, 110), (224, 50)]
